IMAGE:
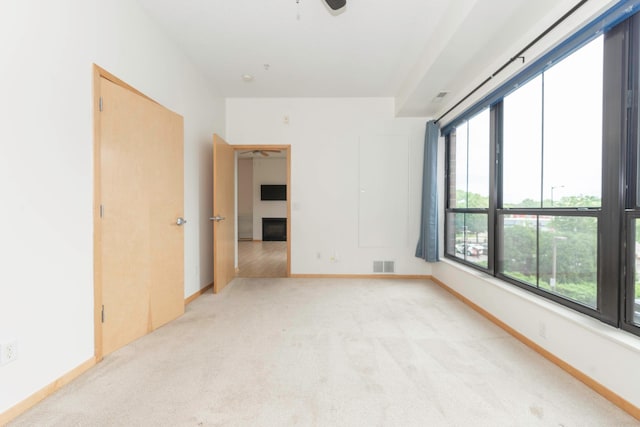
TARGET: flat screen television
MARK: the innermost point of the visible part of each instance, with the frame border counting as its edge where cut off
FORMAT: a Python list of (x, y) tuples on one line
[(273, 192)]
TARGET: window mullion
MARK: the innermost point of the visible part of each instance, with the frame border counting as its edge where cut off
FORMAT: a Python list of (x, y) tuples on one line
[(542, 184), (495, 183), (614, 134)]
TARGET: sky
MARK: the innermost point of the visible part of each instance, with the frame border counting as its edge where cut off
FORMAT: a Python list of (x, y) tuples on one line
[(556, 143)]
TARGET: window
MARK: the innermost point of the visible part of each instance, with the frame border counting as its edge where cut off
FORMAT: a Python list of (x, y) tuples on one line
[(522, 149), (634, 306), (572, 129), (552, 164), (469, 191), (631, 291), (555, 254), (539, 181), (552, 144)]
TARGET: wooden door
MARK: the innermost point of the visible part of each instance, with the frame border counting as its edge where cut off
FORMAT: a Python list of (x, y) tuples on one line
[(141, 197), (223, 207)]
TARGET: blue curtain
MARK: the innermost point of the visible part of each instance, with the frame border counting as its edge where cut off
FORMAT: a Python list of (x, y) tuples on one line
[(428, 243)]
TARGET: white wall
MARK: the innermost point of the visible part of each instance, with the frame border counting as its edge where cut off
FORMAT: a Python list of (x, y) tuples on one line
[(327, 137), (46, 169), (267, 171)]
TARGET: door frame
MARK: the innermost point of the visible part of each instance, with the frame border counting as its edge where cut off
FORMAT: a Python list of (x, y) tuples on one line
[(99, 73), (287, 149)]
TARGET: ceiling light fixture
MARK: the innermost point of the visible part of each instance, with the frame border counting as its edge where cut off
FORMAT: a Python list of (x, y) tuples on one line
[(247, 78)]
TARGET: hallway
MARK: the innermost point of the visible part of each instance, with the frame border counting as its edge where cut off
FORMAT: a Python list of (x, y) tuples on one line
[(262, 259)]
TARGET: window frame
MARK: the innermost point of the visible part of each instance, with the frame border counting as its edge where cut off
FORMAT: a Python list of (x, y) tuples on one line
[(627, 304), (555, 212), (630, 176), (620, 205), (485, 211)]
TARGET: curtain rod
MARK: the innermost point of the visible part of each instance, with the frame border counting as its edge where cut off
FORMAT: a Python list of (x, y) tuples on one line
[(516, 57)]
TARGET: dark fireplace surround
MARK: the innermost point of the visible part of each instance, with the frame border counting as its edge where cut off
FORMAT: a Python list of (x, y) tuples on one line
[(274, 229)]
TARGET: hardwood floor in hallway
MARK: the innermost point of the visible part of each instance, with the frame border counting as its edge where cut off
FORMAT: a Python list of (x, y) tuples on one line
[(262, 259)]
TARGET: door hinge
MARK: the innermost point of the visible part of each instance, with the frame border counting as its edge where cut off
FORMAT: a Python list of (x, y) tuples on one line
[(102, 314), (629, 99), (101, 211), (100, 103)]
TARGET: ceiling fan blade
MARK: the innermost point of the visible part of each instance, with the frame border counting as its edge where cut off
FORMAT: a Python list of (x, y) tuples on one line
[(264, 153), (336, 4)]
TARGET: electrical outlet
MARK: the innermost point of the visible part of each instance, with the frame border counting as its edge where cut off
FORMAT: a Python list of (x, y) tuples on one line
[(542, 330), (8, 352)]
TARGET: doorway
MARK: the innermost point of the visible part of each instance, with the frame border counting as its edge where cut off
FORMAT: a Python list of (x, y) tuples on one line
[(263, 211)]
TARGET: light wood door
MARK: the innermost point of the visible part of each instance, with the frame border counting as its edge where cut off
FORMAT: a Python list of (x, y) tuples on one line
[(223, 207), (141, 194)]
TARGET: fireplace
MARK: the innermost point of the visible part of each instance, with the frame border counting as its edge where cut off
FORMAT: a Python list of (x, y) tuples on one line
[(274, 229)]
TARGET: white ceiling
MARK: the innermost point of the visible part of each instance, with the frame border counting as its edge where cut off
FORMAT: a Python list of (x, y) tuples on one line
[(407, 49)]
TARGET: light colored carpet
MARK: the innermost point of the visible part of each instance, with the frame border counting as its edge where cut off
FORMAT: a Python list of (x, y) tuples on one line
[(285, 352)]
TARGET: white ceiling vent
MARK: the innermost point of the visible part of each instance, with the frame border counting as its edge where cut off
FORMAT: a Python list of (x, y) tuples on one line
[(440, 96)]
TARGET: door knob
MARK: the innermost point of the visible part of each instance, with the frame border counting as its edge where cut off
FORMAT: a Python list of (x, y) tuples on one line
[(217, 218), (181, 221)]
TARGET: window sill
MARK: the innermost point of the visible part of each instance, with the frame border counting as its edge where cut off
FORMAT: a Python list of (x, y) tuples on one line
[(583, 321)]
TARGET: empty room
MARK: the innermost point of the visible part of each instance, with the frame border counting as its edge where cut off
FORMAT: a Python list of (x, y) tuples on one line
[(320, 213)]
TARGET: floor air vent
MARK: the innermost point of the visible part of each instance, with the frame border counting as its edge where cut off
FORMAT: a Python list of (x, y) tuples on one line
[(384, 266), (378, 267), (389, 266)]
